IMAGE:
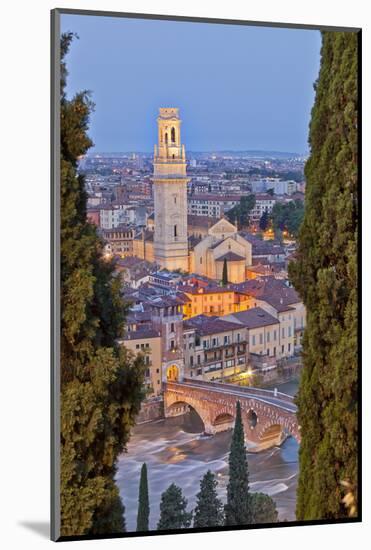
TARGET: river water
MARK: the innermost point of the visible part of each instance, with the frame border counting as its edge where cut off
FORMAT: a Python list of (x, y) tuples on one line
[(175, 450)]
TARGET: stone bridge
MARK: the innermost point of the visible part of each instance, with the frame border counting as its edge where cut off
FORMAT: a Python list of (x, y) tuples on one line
[(268, 416)]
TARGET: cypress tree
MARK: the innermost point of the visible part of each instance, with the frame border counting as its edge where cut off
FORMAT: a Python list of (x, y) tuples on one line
[(173, 510), (325, 275), (264, 220), (143, 504), (225, 273), (209, 509), (263, 508), (101, 385), (237, 509)]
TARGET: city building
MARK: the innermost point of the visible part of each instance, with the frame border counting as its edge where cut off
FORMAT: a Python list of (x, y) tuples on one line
[(111, 216), (207, 300), (214, 348), (282, 301), (147, 342), (212, 206), (266, 340), (119, 240), (279, 187), (263, 203), (170, 194)]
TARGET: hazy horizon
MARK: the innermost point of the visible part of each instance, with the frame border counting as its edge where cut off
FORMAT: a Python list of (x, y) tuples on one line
[(238, 88)]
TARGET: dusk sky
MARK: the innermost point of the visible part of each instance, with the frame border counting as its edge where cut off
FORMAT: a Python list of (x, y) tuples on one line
[(237, 87)]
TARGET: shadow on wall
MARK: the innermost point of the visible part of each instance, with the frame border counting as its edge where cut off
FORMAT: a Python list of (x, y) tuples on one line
[(41, 528)]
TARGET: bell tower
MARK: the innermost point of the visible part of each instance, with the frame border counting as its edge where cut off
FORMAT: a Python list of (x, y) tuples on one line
[(170, 193)]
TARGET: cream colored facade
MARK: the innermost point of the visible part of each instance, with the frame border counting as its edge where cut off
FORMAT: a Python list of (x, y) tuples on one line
[(143, 248), (217, 355), (150, 347), (170, 194), (222, 242), (286, 341)]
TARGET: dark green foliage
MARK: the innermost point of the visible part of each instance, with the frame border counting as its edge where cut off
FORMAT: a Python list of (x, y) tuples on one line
[(264, 221), (325, 274), (101, 385), (173, 510), (225, 273), (288, 216), (239, 214), (209, 509), (263, 508), (237, 509), (143, 503)]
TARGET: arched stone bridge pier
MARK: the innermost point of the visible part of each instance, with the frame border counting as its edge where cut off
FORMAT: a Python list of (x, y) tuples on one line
[(268, 417)]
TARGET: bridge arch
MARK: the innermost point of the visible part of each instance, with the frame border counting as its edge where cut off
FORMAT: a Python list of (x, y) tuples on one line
[(276, 429), (174, 407), (252, 419), (223, 421)]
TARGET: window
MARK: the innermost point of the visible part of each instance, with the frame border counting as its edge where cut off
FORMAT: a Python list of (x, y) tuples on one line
[(283, 332), (175, 231), (157, 371), (268, 336), (289, 347), (275, 335), (253, 340), (260, 338), (172, 327), (289, 331), (191, 360), (283, 349), (198, 359), (172, 344), (173, 135), (137, 346)]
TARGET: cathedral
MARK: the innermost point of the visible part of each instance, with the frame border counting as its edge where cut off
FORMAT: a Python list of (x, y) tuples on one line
[(166, 240)]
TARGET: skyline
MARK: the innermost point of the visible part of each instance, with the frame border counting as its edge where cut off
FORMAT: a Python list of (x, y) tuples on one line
[(259, 102)]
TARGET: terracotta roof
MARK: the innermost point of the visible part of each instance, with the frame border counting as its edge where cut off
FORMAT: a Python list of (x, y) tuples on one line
[(188, 289), (230, 257), (254, 318), (141, 333), (271, 290), (200, 221), (210, 325)]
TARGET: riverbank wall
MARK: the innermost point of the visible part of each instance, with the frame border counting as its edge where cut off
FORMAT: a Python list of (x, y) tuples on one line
[(280, 375), (151, 409)]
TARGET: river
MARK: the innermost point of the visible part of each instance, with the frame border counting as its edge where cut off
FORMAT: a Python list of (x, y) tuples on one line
[(175, 451)]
